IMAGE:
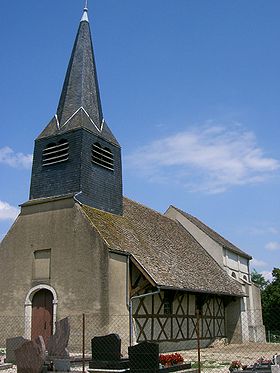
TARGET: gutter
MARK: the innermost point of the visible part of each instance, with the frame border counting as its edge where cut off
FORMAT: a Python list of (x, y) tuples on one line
[(196, 291)]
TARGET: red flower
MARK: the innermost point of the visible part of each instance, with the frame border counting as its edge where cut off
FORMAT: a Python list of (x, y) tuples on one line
[(171, 359)]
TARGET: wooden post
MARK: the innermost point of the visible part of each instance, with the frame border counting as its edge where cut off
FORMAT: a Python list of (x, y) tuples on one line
[(198, 339), (84, 337)]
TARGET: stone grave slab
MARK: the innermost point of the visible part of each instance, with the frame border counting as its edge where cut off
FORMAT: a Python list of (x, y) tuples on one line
[(5, 366), (57, 346), (275, 368), (30, 356), (58, 342), (11, 345)]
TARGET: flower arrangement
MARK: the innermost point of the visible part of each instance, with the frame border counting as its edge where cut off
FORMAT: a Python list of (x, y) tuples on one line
[(235, 365), (171, 359), (264, 361)]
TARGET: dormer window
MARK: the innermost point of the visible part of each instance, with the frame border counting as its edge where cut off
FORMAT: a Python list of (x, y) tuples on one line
[(102, 156), (56, 153)]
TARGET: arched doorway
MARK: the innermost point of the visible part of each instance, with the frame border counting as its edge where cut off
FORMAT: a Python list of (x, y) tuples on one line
[(42, 314), (28, 307)]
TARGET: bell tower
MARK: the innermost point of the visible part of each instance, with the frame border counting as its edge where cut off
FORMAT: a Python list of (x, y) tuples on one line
[(77, 153)]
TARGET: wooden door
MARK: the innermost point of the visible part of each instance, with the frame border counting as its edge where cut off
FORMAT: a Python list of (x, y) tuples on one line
[(42, 314)]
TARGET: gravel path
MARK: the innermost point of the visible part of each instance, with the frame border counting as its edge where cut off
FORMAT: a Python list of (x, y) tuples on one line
[(217, 359)]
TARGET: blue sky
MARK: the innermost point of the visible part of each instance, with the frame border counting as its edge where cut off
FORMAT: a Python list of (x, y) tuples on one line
[(191, 90)]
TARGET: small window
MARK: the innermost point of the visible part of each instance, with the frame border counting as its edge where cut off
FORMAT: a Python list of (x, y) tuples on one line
[(245, 278), (56, 153), (233, 274), (102, 156)]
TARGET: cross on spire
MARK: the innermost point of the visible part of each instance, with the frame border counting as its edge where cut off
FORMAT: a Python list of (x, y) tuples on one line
[(85, 13)]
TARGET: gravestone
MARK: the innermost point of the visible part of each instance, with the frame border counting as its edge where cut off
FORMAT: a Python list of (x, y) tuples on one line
[(106, 348), (30, 356), (11, 345), (57, 346), (106, 353), (144, 357), (276, 367), (58, 342)]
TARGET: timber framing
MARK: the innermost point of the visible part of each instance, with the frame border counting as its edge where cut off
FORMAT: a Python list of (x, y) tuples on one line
[(177, 322)]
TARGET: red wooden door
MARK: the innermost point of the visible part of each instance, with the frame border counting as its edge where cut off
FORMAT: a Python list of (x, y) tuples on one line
[(42, 314)]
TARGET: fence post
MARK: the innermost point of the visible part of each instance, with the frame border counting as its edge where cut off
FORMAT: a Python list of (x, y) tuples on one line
[(198, 340), (83, 348)]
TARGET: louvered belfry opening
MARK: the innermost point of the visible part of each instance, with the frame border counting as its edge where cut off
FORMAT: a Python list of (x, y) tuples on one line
[(56, 153), (102, 156)]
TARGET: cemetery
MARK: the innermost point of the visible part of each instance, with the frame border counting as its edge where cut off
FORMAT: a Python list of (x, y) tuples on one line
[(108, 356)]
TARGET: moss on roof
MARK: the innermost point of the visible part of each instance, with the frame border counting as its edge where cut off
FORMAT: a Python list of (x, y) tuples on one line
[(170, 255)]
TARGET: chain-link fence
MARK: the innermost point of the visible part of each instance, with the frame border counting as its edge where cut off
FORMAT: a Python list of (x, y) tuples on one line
[(205, 342)]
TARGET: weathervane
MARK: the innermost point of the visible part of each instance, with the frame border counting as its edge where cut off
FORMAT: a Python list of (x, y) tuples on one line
[(86, 4)]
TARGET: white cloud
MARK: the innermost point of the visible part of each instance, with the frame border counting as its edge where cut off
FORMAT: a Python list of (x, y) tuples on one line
[(267, 275), (19, 160), (272, 246), (261, 230), (213, 158), (8, 212), (258, 263)]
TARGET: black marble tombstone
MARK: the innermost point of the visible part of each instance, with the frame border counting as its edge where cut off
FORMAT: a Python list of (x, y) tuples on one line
[(106, 353), (144, 357), (106, 347)]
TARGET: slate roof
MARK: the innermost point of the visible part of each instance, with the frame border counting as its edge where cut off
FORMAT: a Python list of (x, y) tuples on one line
[(164, 249), (213, 234), (80, 104)]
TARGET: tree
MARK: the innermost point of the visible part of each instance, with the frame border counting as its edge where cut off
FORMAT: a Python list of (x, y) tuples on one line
[(271, 302), (259, 279)]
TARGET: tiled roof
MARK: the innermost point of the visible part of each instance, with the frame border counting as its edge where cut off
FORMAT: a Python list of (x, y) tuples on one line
[(165, 250), (214, 235)]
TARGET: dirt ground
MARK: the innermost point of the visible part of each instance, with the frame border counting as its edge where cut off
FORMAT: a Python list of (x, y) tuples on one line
[(217, 359)]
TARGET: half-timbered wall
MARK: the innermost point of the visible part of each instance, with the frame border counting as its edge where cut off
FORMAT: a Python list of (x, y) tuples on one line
[(212, 318), (153, 322)]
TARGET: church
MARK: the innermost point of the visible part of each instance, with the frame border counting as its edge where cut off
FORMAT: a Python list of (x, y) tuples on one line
[(79, 246)]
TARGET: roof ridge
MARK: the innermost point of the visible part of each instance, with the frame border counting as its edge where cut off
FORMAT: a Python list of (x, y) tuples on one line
[(149, 208), (195, 219)]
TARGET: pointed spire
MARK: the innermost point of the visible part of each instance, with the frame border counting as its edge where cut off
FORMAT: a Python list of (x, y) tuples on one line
[(80, 105), (85, 13), (80, 89)]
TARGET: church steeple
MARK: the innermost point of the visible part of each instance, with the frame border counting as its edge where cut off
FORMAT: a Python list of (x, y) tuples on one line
[(80, 89), (80, 104), (77, 152)]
